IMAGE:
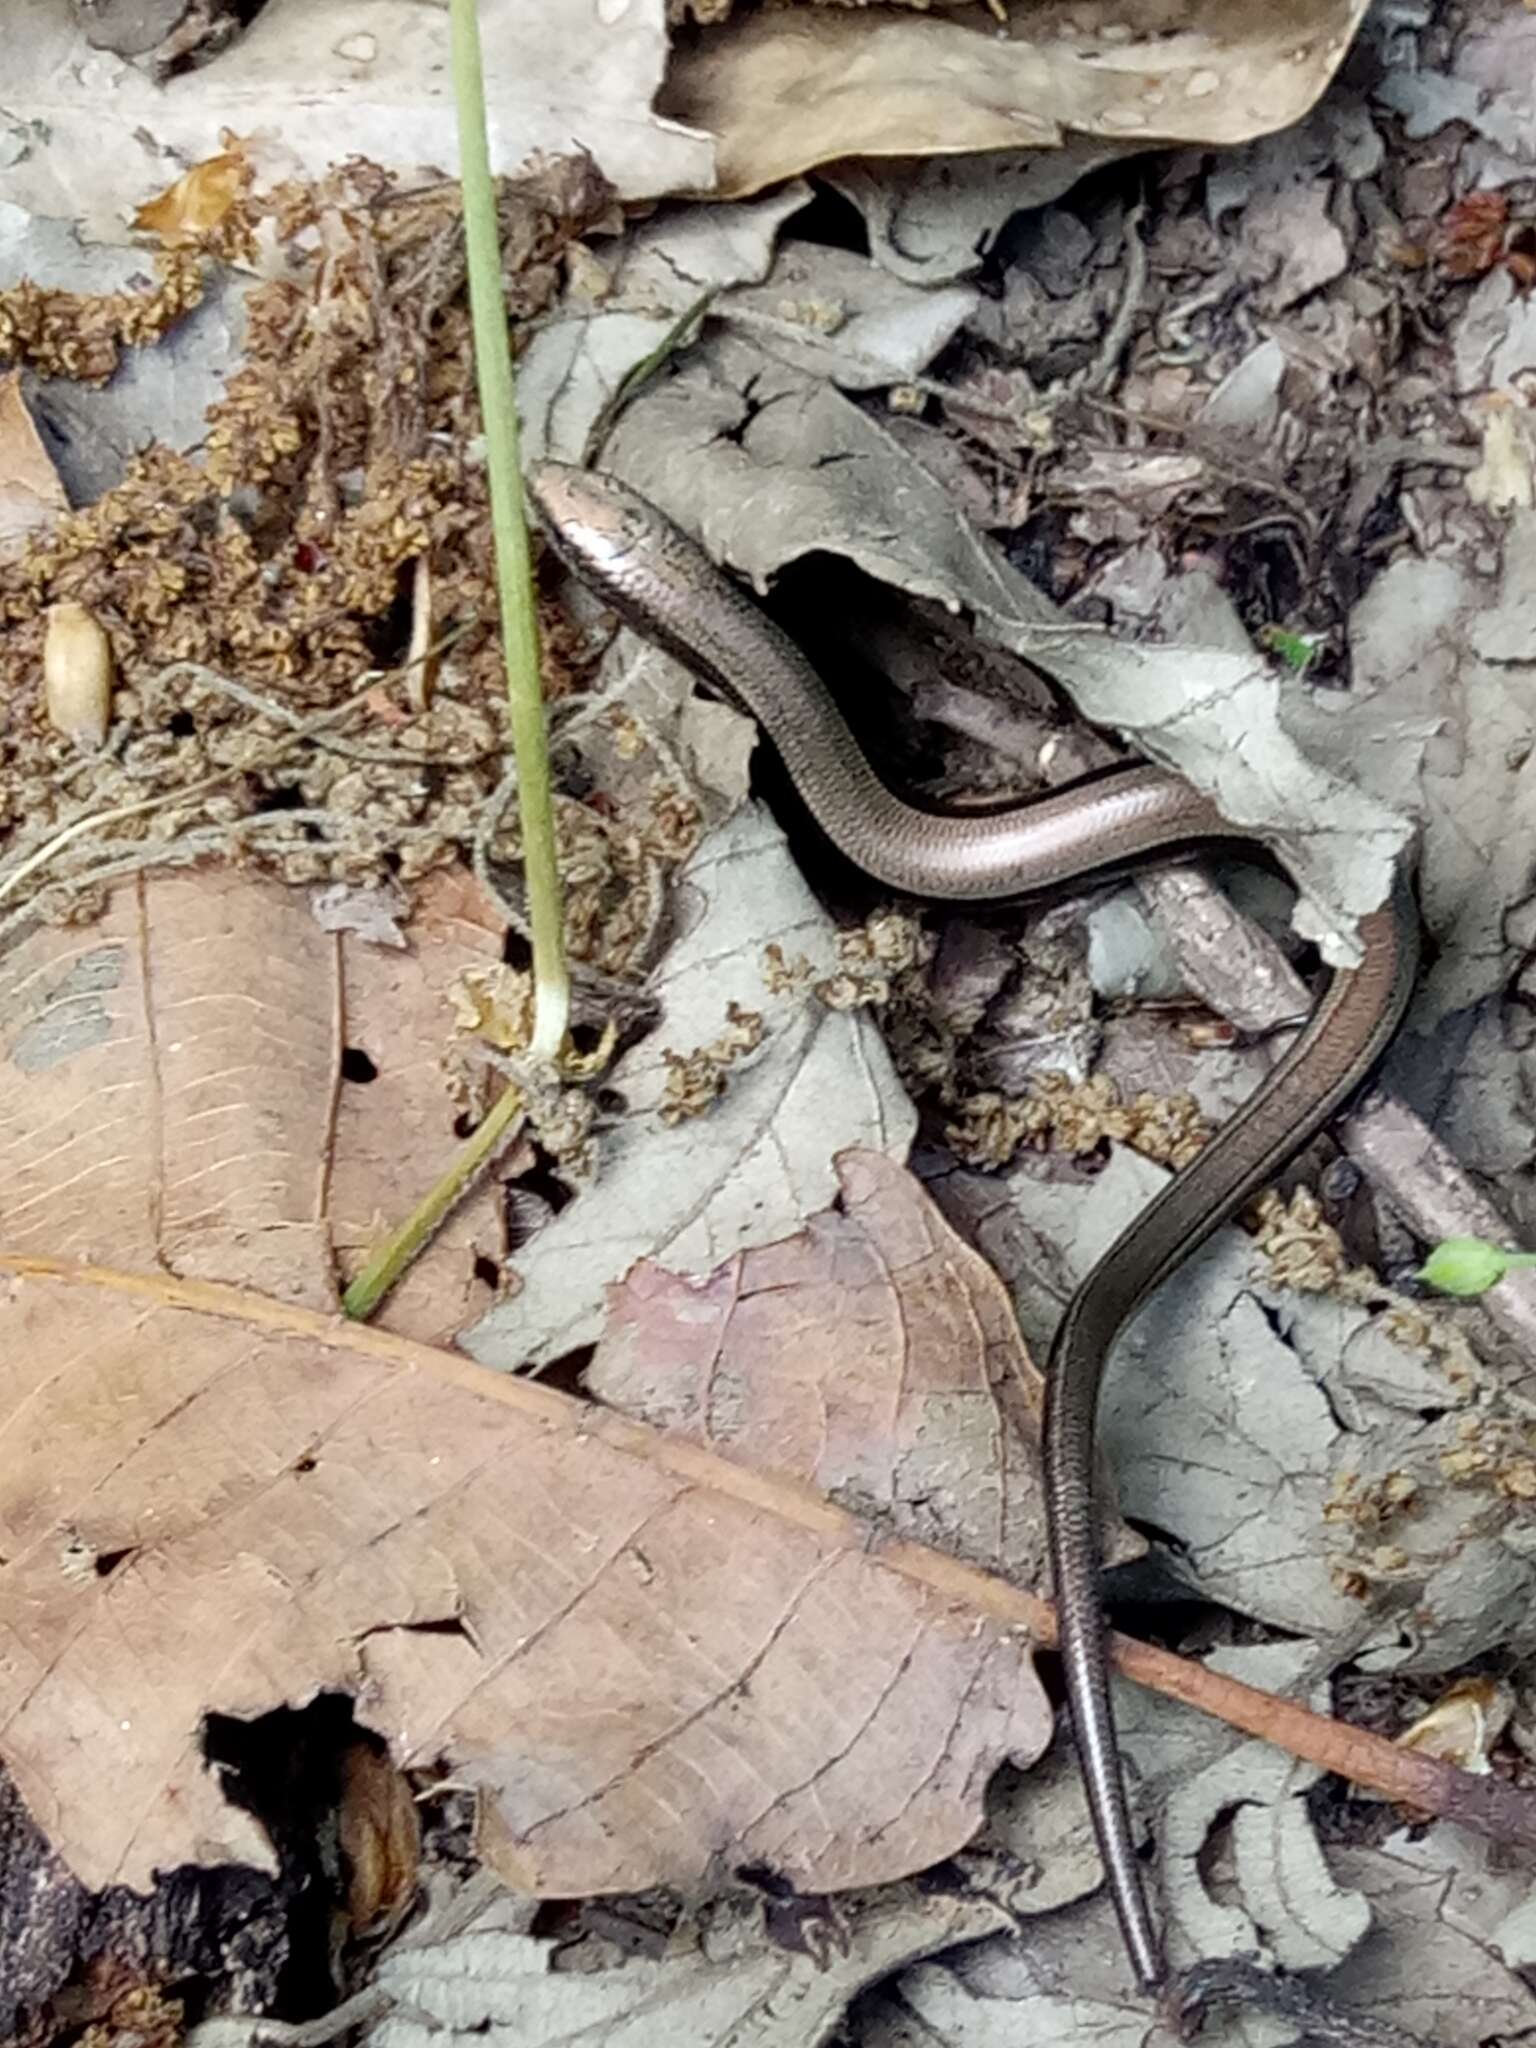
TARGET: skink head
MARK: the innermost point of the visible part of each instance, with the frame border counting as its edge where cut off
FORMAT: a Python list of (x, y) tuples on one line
[(596, 522), (656, 577)]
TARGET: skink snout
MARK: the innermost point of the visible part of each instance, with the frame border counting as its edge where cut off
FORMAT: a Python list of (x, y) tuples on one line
[(592, 519)]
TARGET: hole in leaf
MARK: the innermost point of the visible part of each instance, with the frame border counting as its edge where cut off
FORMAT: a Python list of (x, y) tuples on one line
[(564, 1373)]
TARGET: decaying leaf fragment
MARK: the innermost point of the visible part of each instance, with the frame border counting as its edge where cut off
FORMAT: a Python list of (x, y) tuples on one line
[(206, 1082), (31, 496), (729, 1981), (198, 201)]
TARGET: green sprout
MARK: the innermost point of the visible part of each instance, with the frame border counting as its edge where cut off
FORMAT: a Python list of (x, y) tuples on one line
[(1297, 650), (1468, 1266)]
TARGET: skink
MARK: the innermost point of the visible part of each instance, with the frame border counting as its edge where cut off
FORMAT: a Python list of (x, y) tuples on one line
[(662, 583)]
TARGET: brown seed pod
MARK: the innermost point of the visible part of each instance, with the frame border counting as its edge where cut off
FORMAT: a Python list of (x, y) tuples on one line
[(77, 674)]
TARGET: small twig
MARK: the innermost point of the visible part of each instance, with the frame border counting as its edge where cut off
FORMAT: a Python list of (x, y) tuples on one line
[(1199, 440), (1170, 327), (1231, 963), (1488, 1805), (189, 846), (1228, 961), (1099, 373), (79, 827), (1016, 733)]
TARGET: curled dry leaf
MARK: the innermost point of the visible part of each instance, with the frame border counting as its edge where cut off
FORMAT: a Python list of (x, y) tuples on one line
[(1464, 1724), (733, 1979), (785, 89), (198, 201), (379, 1832)]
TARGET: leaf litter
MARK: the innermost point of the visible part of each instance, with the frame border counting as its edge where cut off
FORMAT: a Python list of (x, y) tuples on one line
[(723, 1980), (1360, 1551), (584, 1619)]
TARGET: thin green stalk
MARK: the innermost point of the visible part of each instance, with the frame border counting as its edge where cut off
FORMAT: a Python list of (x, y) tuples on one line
[(387, 1264), (520, 644), (514, 575)]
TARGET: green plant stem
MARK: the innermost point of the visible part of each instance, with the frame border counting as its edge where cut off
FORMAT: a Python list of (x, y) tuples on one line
[(385, 1267), (514, 576), (520, 645)]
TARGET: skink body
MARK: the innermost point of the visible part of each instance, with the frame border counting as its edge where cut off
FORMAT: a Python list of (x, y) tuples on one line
[(662, 583)]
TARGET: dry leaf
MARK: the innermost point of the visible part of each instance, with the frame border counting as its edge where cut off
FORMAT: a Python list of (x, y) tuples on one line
[(1470, 236), (652, 1662), (379, 1832), (178, 1093), (785, 89), (395, 1133), (31, 496), (197, 202), (311, 86), (874, 1355), (731, 1980), (648, 1659)]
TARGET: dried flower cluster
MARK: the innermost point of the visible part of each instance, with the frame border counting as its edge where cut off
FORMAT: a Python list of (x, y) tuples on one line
[(1077, 1117), (257, 601), (67, 334)]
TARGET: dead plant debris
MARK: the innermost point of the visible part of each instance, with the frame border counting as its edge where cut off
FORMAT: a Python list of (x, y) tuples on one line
[(70, 334), (696, 1080), (343, 454), (1077, 1117)]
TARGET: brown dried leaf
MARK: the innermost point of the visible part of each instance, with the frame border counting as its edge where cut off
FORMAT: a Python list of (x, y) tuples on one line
[(379, 1833), (218, 1501), (198, 201), (786, 89), (174, 1098), (31, 496), (649, 1659), (395, 1135), (1470, 237), (874, 1355)]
